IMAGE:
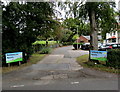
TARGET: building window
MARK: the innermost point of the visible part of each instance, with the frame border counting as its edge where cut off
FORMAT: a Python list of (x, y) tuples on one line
[(114, 40)]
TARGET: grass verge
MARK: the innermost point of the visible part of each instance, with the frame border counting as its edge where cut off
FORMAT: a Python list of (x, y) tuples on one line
[(32, 60), (83, 60)]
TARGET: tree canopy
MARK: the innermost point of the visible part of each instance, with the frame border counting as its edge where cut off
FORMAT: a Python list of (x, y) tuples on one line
[(100, 15), (23, 22)]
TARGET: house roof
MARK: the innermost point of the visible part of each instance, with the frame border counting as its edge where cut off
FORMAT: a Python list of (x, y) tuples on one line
[(87, 37), (112, 37)]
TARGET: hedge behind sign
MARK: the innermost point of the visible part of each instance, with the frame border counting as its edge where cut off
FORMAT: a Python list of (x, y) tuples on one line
[(14, 57), (98, 55)]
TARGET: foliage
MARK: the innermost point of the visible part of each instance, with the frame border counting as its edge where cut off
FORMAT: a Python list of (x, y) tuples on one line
[(76, 26), (104, 14), (52, 30), (76, 36), (94, 11), (22, 23), (66, 35), (44, 42), (45, 51), (113, 58), (101, 16)]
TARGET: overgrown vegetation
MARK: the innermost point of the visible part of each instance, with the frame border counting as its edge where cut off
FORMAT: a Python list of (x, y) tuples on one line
[(83, 60)]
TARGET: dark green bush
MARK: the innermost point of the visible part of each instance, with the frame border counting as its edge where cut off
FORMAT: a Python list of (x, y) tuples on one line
[(113, 58), (45, 51)]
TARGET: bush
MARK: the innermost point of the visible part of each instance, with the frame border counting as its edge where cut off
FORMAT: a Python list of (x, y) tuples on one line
[(113, 58), (45, 51)]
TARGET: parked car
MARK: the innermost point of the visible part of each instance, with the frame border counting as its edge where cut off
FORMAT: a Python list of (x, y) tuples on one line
[(104, 47), (109, 46), (116, 46), (85, 46)]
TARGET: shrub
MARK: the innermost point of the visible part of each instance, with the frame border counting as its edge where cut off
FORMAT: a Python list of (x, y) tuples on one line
[(113, 58), (45, 51)]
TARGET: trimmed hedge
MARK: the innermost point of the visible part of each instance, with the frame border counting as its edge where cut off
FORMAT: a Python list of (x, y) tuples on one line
[(44, 42), (113, 58)]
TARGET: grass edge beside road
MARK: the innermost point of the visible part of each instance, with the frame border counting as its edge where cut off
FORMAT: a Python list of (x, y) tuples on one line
[(32, 60), (83, 60)]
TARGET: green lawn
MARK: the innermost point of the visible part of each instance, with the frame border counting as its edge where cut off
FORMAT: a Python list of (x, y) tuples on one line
[(32, 60), (83, 60), (100, 59)]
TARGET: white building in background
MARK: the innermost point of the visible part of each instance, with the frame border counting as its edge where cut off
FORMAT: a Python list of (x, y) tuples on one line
[(113, 37)]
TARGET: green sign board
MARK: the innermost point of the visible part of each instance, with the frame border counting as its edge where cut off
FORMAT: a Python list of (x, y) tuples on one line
[(98, 55), (14, 57)]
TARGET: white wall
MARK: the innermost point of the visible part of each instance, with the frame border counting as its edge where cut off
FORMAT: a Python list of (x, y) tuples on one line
[(109, 35)]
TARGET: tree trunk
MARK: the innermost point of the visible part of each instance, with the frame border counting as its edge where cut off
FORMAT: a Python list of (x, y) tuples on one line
[(94, 32)]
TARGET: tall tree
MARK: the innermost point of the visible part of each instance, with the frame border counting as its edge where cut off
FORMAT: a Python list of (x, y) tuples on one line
[(99, 14), (76, 26), (23, 22), (99, 11)]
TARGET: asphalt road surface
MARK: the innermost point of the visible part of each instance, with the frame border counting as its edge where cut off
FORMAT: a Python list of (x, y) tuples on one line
[(59, 71)]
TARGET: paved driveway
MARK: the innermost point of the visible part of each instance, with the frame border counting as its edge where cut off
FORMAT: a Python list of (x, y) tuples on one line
[(60, 71)]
